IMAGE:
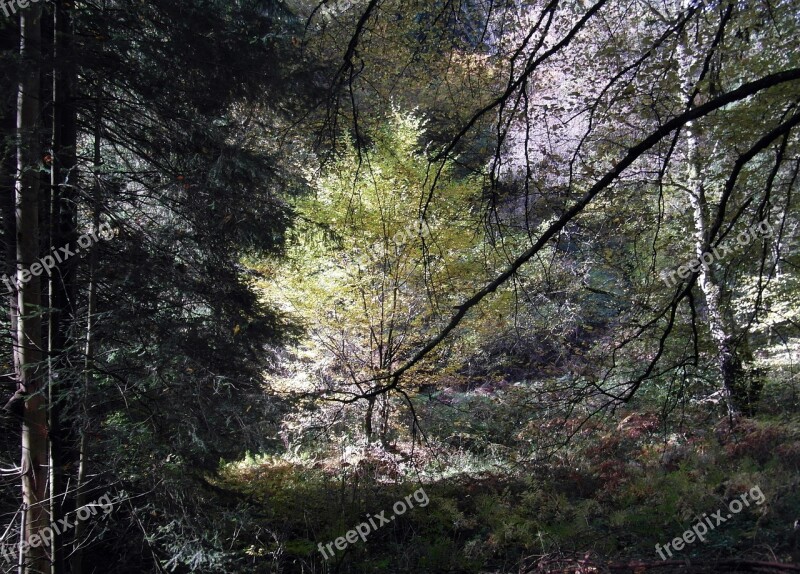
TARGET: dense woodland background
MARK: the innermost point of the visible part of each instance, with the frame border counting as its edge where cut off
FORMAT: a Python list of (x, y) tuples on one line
[(364, 247)]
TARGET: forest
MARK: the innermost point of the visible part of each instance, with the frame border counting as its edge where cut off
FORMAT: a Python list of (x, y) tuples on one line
[(400, 286)]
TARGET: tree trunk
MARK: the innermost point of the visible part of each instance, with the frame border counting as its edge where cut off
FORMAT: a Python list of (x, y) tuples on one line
[(368, 419), (722, 324), (29, 329), (63, 231), (76, 560), (8, 167)]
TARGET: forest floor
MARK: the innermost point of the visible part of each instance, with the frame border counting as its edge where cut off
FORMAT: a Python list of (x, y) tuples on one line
[(631, 491)]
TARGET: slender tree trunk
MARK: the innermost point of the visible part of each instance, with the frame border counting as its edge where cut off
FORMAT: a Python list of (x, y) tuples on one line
[(368, 419), (385, 412), (29, 330), (722, 324), (76, 560), (8, 167), (63, 231)]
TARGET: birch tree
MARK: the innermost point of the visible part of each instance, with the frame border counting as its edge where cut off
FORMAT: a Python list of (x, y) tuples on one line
[(31, 373)]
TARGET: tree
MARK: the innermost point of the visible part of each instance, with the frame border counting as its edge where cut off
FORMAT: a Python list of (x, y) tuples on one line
[(187, 175), (31, 374), (357, 275)]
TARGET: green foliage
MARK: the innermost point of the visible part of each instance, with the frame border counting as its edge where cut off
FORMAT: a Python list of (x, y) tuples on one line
[(364, 269)]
